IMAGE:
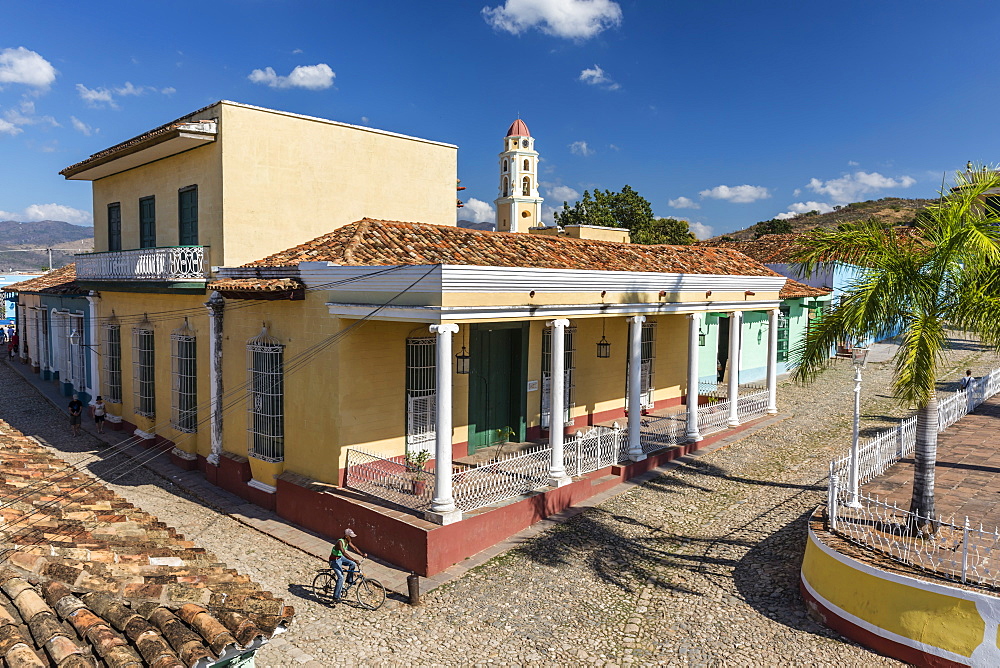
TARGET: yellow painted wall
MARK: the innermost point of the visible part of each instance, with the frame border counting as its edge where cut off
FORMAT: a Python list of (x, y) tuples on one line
[(598, 233), (273, 180), (162, 179), (289, 179), (166, 314), (915, 610)]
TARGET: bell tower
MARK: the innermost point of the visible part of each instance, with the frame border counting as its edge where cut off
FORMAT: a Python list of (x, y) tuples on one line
[(519, 206)]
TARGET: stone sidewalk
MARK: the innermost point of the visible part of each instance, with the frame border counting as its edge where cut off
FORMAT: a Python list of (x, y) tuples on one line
[(967, 475), (268, 522)]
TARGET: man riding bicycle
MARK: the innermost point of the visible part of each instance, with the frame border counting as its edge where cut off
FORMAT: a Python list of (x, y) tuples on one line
[(338, 560)]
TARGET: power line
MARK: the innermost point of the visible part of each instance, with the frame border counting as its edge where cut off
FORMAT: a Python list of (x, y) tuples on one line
[(296, 363)]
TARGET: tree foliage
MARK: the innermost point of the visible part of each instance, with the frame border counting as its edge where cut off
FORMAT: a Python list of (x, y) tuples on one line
[(628, 209), (942, 273)]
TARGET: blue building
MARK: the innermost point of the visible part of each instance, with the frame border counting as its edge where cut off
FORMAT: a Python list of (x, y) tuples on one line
[(8, 314), (55, 330)]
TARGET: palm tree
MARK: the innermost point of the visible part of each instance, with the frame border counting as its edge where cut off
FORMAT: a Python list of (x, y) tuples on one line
[(921, 281)]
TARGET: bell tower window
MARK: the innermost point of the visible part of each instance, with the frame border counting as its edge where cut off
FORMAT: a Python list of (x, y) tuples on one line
[(526, 186), (505, 186), (505, 165), (527, 165)]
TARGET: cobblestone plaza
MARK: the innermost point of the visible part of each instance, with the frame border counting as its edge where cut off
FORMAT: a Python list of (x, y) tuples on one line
[(697, 567)]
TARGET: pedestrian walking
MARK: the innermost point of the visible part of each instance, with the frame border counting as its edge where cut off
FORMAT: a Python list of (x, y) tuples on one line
[(99, 410), (967, 380), (75, 415)]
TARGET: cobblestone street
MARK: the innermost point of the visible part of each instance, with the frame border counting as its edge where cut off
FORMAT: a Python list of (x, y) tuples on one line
[(698, 567)]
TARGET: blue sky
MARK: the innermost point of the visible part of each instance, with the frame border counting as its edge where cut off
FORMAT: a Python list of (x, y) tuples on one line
[(723, 113)]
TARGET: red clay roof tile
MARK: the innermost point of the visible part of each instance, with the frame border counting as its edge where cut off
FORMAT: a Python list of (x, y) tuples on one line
[(378, 242), (794, 290)]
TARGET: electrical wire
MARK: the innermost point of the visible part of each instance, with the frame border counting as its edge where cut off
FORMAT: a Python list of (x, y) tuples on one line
[(297, 362)]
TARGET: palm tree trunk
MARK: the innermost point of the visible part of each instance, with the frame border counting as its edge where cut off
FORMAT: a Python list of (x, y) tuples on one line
[(924, 459)]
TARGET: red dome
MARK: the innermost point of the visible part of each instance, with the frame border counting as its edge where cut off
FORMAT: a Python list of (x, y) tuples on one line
[(518, 129)]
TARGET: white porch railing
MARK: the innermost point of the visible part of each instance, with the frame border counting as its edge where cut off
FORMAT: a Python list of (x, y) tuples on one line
[(173, 263), (713, 416), (662, 431), (389, 479), (963, 552), (502, 479), (750, 406)]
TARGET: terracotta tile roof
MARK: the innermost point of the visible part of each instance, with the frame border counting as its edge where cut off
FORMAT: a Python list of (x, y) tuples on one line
[(59, 281), (256, 285), (88, 579), (768, 249), (795, 290), (378, 242)]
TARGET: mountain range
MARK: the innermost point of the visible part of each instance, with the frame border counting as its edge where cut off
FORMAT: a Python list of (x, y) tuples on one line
[(23, 244)]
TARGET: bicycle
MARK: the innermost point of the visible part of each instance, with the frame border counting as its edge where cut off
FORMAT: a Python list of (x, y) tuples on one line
[(369, 591)]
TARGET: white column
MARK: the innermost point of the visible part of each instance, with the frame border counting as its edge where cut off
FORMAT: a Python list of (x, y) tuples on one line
[(215, 305), (443, 510), (735, 330), (772, 362), (557, 403), (22, 332), (95, 358), (694, 327), (635, 388)]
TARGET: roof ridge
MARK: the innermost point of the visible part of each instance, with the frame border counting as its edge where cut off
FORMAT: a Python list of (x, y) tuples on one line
[(355, 240)]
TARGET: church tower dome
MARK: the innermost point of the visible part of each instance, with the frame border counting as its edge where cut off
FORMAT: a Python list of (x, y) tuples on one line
[(519, 205)]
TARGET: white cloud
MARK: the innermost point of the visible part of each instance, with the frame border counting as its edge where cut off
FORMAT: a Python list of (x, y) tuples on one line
[(614, 147), (700, 230), (852, 163), (8, 128), (296, 51), (80, 126), (98, 97), (598, 77), (571, 19), (737, 194), (37, 212), (95, 97), (580, 148), (684, 203), (549, 214), (562, 193), (477, 211), (23, 66), (804, 207), (850, 187), (25, 115), (310, 77), (364, 119)]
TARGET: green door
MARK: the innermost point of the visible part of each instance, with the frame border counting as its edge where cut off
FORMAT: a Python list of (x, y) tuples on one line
[(497, 384)]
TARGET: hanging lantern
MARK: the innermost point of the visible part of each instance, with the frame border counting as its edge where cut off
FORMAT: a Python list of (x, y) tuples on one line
[(462, 359), (462, 362), (701, 337), (603, 346)]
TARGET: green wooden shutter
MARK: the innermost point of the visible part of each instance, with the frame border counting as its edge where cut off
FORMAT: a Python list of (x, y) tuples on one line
[(147, 222), (188, 216), (114, 227)]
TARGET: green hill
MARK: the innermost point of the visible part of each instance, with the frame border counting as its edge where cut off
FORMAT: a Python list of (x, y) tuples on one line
[(19, 244), (894, 210)]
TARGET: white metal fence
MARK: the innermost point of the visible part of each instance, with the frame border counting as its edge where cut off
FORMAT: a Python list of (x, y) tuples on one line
[(389, 479), (189, 263), (751, 406), (956, 551), (965, 552), (877, 453), (526, 471)]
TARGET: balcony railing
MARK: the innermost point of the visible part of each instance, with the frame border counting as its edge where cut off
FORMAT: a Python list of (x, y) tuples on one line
[(171, 263)]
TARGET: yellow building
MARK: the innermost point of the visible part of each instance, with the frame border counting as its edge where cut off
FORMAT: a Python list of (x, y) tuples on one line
[(437, 388), (225, 184), (355, 340)]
